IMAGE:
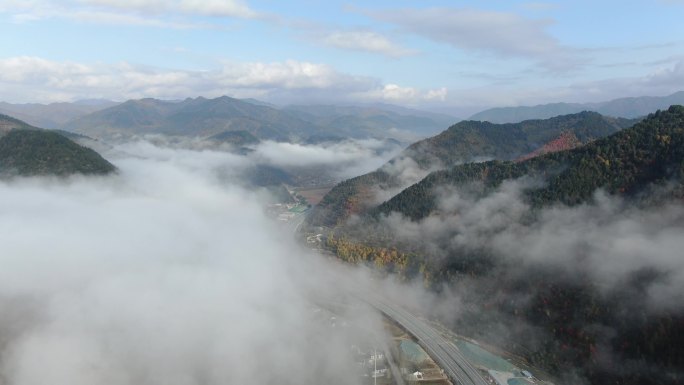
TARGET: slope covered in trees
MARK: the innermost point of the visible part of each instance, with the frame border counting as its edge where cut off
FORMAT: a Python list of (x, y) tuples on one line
[(564, 281), (470, 140), (28, 151), (627, 162), (464, 141), (8, 123)]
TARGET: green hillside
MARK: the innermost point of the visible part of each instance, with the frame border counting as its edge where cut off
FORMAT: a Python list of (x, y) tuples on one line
[(625, 163), (30, 152), (563, 319), (464, 141), (8, 123), (468, 140)]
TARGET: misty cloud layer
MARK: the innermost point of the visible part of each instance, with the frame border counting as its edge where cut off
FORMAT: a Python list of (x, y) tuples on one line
[(343, 159), (162, 274), (607, 240)]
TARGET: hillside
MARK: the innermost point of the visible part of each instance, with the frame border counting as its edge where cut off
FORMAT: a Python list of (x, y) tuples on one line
[(624, 163), (462, 142), (549, 272), (470, 140), (624, 107), (29, 151), (8, 123)]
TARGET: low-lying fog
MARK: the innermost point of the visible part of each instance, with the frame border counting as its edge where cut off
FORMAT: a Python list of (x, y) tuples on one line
[(163, 274)]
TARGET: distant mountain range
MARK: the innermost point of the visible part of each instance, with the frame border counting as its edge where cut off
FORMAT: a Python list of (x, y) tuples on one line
[(217, 118), (624, 107), (29, 151), (464, 141), (53, 115), (371, 121)]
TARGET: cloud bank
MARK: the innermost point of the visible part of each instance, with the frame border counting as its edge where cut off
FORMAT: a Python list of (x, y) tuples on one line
[(163, 274), (341, 159), (32, 79), (606, 241)]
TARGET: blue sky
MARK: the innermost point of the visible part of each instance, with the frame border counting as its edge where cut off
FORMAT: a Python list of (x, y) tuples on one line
[(451, 56)]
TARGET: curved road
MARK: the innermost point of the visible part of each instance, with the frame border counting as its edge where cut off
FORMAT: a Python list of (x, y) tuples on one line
[(445, 354), (442, 351)]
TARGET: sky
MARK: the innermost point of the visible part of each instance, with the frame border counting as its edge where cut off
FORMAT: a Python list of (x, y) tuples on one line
[(450, 56)]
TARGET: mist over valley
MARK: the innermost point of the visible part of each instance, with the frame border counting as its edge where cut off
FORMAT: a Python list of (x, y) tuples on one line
[(425, 193)]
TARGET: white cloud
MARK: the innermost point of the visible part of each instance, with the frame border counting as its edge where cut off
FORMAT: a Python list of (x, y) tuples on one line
[(500, 33), (367, 41), (221, 8), (343, 159), (163, 274), (33, 79), (290, 74), (437, 94), (396, 92), (177, 14)]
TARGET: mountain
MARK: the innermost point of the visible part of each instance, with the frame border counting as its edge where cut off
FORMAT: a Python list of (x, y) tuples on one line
[(236, 138), (8, 123), (198, 117), (30, 151), (462, 142), (623, 107), (624, 163), (53, 115), (379, 120), (524, 263), (207, 118)]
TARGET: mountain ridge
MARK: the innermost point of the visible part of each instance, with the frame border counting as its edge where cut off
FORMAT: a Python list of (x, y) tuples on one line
[(463, 141), (630, 107)]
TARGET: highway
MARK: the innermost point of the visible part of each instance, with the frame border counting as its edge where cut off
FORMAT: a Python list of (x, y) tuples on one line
[(442, 351)]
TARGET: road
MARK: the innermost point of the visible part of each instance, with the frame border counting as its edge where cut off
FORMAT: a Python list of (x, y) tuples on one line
[(442, 351), (295, 223)]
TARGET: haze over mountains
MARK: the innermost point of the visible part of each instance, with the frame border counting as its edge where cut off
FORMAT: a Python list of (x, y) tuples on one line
[(53, 115), (341, 192), (631, 107), (215, 118), (491, 217)]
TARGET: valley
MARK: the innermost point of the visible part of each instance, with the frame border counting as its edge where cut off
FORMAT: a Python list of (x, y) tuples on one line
[(228, 192)]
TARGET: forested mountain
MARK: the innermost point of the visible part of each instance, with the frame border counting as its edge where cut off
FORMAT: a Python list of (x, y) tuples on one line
[(623, 107), (626, 163), (462, 142), (8, 123), (198, 117), (545, 267), (470, 139), (217, 118), (29, 152)]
